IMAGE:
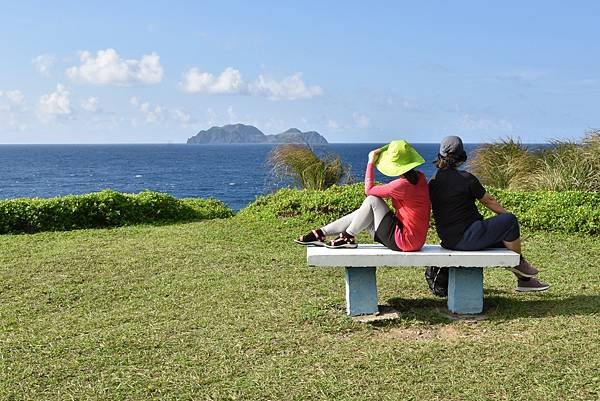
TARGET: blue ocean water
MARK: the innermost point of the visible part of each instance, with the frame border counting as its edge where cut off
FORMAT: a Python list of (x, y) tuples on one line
[(235, 174)]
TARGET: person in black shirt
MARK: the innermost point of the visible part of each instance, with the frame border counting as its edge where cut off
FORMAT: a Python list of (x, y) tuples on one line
[(459, 224)]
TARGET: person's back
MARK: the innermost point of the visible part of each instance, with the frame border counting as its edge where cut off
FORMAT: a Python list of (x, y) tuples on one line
[(453, 194), (413, 210), (458, 222)]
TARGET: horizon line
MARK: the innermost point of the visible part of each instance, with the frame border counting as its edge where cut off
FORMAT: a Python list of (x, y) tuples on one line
[(225, 144)]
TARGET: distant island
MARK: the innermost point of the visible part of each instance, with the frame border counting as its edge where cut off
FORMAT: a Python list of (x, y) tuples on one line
[(240, 133)]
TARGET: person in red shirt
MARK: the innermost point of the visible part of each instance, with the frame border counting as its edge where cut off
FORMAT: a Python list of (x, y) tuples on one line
[(404, 229)]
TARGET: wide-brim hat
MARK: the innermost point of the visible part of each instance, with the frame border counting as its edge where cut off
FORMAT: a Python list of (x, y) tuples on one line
[(397, 158)]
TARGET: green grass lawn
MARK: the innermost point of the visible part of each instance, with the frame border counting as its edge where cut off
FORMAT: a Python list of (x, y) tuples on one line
[(228, 309)]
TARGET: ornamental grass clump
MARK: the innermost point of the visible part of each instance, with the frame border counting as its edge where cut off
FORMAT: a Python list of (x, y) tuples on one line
[(502, 164), (568, 166), (301, 165), (562, 166)]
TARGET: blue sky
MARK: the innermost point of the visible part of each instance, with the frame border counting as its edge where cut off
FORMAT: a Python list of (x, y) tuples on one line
[(156, 72)]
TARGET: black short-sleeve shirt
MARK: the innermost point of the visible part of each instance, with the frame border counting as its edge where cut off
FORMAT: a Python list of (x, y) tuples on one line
[(453, 194)]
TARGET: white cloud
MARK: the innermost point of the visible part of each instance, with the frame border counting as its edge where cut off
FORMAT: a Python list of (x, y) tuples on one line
[(521, 78), (586, 82), (15, 97), (13, 109), (152, 113), (91, 104), (55, 104), (108, 68), (228, 82), (290, 88), (182, 117), (470, 122), (231, 82), (332, 124), (211, 117), (158, 114), (43, 63), (361, 120), (231, 114)]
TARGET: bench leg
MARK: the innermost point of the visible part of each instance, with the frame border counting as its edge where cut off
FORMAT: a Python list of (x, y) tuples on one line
[(361, 291), (465, 290)]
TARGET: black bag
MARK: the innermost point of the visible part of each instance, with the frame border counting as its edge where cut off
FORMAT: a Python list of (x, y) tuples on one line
[(437, 279)]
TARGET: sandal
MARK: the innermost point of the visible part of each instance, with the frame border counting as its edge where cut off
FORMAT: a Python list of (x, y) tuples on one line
[(343, 241), (315, 237)]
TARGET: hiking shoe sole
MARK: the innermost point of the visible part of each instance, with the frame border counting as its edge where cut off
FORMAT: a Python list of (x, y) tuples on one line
[(532, 289), (342, 246), (310, 243)]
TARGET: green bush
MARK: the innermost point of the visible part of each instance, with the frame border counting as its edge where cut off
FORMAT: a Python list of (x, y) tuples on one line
[(566, 211), (103, 209), (307, 204), (569, 212)]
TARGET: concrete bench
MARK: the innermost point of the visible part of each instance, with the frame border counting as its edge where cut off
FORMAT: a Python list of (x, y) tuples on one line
[(465, 280)]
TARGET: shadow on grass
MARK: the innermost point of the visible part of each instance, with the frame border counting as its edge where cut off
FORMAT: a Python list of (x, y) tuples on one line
[(503, 308), (543, 305), (420, 309)]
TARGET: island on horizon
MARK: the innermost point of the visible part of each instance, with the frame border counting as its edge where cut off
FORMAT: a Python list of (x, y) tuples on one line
[(242, 134)]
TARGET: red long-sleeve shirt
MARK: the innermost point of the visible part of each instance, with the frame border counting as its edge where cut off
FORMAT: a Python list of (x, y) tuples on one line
[(412, 206)]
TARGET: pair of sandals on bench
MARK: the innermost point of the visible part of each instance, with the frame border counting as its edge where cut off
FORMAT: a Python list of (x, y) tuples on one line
[(317, 238)]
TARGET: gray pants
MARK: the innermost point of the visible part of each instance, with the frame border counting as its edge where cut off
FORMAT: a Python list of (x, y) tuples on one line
[(366, 217)]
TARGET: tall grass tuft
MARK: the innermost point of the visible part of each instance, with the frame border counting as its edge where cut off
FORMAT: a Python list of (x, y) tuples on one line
[(501, 164), (301, 165), (564, 166), (568, 166)]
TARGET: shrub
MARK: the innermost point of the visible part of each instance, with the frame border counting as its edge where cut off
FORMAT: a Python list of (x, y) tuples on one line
[(308, 205), (564, 166), (501, 164), (564, 211), (103, 209), (305, 169), (568, 212), (568, 166)]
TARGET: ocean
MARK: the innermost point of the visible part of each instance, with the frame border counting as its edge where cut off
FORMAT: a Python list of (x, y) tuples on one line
[(235, 174)]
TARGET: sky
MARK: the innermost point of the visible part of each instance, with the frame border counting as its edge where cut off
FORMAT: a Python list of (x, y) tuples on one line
[(355, 71)]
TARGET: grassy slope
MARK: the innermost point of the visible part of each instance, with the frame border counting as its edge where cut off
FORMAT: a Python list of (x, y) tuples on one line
[(227, 309)]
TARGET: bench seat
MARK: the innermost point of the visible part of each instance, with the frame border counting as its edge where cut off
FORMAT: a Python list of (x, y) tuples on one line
[(465, 280)]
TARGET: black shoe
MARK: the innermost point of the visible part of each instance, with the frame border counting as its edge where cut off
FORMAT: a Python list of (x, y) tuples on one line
[(343, 241), (315, 237)]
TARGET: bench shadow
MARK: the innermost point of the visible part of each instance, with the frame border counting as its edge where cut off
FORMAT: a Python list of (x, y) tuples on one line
[(501, 308)]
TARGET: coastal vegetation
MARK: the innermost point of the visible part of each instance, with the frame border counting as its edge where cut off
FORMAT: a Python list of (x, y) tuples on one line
[(559, 211), (103, 209), (562, 166), (305, 169), (565, 211)]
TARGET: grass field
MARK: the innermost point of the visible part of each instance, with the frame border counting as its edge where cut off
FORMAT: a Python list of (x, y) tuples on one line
[(228, 310)]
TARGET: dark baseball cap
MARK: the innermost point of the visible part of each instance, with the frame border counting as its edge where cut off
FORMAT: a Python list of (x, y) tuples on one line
[(453, 145)]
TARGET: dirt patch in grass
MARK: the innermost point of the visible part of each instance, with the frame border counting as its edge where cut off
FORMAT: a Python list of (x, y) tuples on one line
[(425, 333)]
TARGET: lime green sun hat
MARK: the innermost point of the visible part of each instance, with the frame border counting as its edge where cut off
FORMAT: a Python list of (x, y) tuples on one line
[(398, 157)]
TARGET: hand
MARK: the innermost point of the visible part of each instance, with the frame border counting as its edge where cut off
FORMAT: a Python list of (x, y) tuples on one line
[(373, 155)]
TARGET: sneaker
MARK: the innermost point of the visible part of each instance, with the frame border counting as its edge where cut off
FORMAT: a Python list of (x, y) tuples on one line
[(533, 284), (524, 269), (343, 241), (315, 237)]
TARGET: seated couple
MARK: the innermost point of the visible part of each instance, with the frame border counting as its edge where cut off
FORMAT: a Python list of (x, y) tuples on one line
[(453, 193)]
